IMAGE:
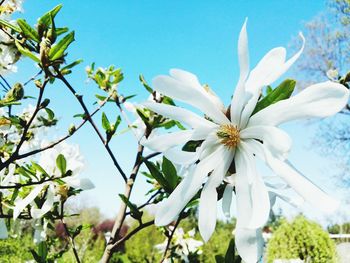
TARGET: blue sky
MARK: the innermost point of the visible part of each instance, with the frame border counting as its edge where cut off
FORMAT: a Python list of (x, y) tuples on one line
[(150, 37)]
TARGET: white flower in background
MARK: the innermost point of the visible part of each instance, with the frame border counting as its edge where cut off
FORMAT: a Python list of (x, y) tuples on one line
[(8, 51), (47, 160), (39, 231), (236, 135), (184, 244)]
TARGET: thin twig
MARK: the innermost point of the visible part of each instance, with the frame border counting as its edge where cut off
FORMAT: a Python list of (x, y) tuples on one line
[(32, 78), (71, 239), (21, 156), (170, 238), (88, 116)]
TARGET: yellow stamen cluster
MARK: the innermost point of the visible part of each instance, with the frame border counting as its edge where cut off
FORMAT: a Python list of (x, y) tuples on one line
[(229, 135)]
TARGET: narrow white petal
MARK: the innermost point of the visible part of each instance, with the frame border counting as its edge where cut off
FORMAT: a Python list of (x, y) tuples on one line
[(249, 244), (227, 200), (48, 204), (180, 114), (79, 183), (169, 209), (260, 203), (275, 139), (193, 95), (207, 212), (319, 100), (3, 229), (267, 66), (238, 98), (303, 186), (269, 69), (21, 204), (181, 157), (166, 141), (243, 190)]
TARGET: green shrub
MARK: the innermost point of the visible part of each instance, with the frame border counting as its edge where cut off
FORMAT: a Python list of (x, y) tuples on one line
[(16, 249), (301, 239)]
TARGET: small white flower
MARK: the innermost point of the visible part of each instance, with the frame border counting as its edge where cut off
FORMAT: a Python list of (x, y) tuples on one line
[(237, 135)]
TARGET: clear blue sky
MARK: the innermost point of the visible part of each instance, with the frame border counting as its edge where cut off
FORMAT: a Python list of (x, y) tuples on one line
[(150, 37)]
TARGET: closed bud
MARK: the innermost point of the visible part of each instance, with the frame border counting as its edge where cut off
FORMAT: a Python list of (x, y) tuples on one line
[(38, 83), (45, 103), (72, 129)]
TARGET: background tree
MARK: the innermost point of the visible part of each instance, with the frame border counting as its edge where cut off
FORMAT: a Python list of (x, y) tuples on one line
[(327, 55)]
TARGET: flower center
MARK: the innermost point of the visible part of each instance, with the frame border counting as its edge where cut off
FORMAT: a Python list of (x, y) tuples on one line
[(229, 135)]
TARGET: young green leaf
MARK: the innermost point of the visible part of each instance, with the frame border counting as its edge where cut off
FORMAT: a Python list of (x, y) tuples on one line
[(282, 92), (105, 122), (57, 51), (5, 23), (45, 20), (134, 211), (61, 163), (157, 175), (25, 52), (144, 83), (73, 64), (170, 173), (27, 30), (38, 168)]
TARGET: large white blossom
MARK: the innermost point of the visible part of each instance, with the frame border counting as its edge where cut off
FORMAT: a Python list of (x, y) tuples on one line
[(235, 135)]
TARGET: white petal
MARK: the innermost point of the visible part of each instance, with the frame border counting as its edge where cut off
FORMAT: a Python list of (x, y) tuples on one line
[(181, 157), (319, 100), (249, 244), (3, 229), (169, 209), (21, 204), (191, 94), (46, 207), (260, 202), (305, 188), (166, 141), (269, 69), (238, 98), (227, 200), (79, 183), (243, 190), (208, 200), (180, 114), (275, 139), (267, 66)]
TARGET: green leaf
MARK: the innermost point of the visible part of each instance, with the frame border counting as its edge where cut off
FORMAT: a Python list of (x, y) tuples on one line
[(42, 251), (158, 176), (27, 30), (230, 253), (144, 83), (169, 172), (5, 23), (50, 113), (117, 122), (191, 146), (61, 163), (37, 167), (57, 51), (105, 122), (45, 20), (73, 64), (62, 30), (25, 52), (282, 92), (134, 211)]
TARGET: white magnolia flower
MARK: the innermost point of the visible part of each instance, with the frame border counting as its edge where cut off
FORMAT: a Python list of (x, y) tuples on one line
[(235, 135), (48, 162)]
